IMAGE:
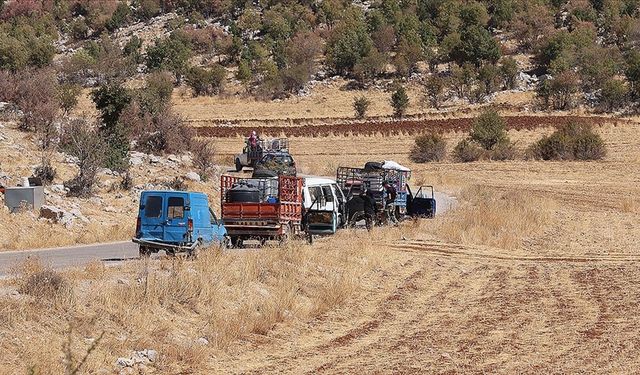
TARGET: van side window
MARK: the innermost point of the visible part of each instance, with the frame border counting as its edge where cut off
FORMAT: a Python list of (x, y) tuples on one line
[(175, 208), (328, 195), (153, 206)]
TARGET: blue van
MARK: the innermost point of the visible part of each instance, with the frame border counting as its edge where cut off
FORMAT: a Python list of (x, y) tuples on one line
[(177, 221)]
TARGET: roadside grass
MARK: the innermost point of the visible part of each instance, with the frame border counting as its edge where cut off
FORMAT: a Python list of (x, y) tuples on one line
[(22, 231), (497, 218), (173, 305)]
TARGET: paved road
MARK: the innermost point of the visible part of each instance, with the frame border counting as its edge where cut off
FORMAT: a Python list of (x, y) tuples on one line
[(71, 256), (118, 251)]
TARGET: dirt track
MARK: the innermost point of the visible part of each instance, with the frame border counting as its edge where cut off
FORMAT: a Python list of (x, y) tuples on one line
[(393, 127)]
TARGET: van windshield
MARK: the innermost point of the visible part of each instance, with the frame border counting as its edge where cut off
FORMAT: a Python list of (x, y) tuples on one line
[(153, 206), (175, 208)]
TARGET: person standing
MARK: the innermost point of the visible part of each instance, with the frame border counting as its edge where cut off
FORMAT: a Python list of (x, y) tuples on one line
[(390, 194)]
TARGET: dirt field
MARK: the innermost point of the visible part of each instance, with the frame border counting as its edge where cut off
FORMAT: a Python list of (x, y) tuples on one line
[(537, 270)]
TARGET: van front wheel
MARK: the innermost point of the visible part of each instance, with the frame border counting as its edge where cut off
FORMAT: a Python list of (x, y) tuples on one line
[(144, 252)]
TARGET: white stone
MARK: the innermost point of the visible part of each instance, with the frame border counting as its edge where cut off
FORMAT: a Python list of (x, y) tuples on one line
[(124, 362), (193, 176)]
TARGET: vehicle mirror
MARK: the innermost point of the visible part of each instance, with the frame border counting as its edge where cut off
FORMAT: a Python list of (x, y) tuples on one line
[(142, 206)]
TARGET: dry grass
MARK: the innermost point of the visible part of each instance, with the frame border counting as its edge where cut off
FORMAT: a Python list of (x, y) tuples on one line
[(503, 220), (168, 305), (24, 231)]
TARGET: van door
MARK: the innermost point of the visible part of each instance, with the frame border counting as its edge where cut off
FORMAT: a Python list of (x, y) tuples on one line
[(177, 214), (322, 218), (152, 216)]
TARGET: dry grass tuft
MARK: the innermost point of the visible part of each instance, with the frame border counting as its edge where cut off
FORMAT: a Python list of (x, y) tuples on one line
[(169, 305), (501, 219)]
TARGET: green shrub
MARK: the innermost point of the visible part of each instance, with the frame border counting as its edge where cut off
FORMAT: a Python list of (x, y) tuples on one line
[(489, 129), (467, 151), (614, 95), (360, 106), (399, 102), (206, 81), (503, 151), (428, 147), (572, 141)]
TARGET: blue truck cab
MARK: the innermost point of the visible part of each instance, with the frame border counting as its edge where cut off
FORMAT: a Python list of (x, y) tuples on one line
[(177, 221)]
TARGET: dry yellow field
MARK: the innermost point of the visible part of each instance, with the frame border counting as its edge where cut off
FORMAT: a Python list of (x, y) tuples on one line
[(537, 270)]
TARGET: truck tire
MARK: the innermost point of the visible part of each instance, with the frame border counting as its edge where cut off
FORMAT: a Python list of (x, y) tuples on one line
[(238, 165), (237, 243), (144, 252), (193, 254)]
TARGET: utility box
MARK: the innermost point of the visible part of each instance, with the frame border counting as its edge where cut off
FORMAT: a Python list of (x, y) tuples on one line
[(31, 198)]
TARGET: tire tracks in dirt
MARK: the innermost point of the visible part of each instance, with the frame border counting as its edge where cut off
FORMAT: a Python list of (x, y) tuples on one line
[(430, 248)]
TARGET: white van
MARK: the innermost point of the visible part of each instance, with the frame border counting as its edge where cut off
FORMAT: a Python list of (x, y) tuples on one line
[(324, 205)]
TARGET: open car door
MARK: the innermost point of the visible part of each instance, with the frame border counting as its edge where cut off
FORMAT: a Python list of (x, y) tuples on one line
[(321, 218), (423, 203)]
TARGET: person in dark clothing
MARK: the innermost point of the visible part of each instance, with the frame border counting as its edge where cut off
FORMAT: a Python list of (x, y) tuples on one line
[(389, 203), (361, 207)]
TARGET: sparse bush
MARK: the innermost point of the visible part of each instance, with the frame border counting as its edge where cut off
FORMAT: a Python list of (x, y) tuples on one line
[(203, 155), (369, 66), (111, 99), (206, 81), (463, 78), (176, 184), (45, 172), (360, 106), (36, 96), (559, 91), (170, 54), (572, 141), (435, 87), (428, 147), (45, 283), (509, 72), (165, 132), (614, 95), (399, 102), (489, 129), (68, 96), (83, 141), (127, 181), (467, 151), (156, 94), (503, 151), (489, 77)]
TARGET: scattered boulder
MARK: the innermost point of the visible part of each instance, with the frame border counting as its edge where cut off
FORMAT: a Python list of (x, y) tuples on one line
[(59, 189), (51, 213), (202, 341), (173, 158), (192, 176), (138, 359), (110, 209), (135, 160)]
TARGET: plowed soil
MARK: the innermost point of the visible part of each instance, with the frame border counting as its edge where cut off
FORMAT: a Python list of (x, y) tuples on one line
[(563, 301), (391, 128)]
